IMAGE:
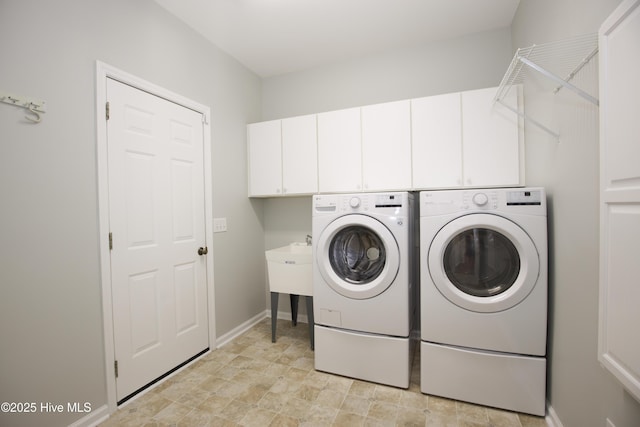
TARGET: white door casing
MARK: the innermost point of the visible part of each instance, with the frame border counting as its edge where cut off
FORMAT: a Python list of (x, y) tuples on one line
[(155, 199)]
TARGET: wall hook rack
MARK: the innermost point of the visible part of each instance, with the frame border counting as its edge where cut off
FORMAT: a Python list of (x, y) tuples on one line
[(35, 107)]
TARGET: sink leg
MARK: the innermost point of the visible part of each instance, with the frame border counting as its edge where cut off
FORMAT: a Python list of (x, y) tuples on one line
[(309, 300), (274, 314), (294, 308)]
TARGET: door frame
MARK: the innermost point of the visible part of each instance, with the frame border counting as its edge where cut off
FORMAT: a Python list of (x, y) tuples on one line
[(104, 72)]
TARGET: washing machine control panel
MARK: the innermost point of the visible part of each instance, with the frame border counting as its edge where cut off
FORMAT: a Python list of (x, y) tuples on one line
[(351, 203), (355, 203), (480, 200)]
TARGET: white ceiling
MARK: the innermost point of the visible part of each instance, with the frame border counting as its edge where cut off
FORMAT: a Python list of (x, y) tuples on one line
[(273, 37)]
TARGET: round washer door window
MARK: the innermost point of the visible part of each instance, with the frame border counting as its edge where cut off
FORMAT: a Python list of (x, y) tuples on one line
[(357, 256), (483, 263)]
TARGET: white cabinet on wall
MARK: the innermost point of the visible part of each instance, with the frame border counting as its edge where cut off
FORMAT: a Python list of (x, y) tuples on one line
[(465, 140), (365, 149), (490, 140), (283, 157), (265, 158), (437, 141), (618, 344), (339, 151), (386, 146), (455, 140), (299, 155)]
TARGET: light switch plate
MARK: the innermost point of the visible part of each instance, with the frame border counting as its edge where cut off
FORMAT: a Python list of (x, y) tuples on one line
[(219, 225)]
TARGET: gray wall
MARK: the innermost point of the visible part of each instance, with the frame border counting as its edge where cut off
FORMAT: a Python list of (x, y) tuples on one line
[(465, 63), (470, 62), (579, 390), (50, 306)]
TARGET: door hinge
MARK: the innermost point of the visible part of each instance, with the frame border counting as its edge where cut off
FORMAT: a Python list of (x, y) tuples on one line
[(107, 110), (110, 241), (115, 367), (205, 120)]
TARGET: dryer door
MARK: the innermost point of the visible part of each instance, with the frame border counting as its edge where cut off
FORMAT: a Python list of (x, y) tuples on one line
[(483, 263), (357, 256)]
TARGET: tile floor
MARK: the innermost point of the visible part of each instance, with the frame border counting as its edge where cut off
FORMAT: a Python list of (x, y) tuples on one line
[(254, 382)]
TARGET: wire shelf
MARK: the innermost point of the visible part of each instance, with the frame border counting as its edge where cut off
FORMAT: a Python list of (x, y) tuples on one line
[(560, 61)]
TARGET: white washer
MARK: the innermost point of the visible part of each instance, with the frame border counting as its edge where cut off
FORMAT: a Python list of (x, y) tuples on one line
[(483, 294), (363, 285)]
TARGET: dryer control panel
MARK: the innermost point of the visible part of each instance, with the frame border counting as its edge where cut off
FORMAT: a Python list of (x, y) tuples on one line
[(517, 200), (524, 198)]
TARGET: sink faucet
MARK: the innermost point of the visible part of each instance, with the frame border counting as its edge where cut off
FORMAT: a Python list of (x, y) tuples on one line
[(308, 240)]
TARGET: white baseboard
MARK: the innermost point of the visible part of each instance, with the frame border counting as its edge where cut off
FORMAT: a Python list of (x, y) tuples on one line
[(93, 418), (552, 417), (225, 339)]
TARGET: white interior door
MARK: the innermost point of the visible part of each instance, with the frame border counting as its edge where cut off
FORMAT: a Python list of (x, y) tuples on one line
[(157, 225)]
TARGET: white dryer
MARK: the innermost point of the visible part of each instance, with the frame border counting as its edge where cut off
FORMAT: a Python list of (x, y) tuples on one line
[(483, 296), (363, 285)]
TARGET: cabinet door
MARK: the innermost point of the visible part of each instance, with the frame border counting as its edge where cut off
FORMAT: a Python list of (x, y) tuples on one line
[(386, 146), (339, 151), (299, 155), (265, 158), (618, 344), (490, 137), (437, 141)]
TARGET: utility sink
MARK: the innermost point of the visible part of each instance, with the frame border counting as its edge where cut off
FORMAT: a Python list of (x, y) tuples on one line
[(290, 273), (289, 269)]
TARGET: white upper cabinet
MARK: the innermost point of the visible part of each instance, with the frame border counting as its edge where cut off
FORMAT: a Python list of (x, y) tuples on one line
[(299, 155), (265, 158), (283, 157), (437, 141), (465, 140), (339, 151), (461, 139), (490, 140), (386, 146)]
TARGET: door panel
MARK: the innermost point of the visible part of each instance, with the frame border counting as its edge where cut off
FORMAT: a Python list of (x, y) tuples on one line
[(491, 301), (342, 280), (386, 146), (156, 215), (618, 346), (339, 151)]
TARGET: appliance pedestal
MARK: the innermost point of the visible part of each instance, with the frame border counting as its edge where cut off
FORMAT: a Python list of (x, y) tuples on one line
[(376, 358), (502, 380)]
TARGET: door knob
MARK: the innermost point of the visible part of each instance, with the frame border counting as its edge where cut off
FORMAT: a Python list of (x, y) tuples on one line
[(203, 251)]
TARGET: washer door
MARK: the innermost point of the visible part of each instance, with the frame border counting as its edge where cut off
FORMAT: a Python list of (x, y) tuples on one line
[(483, 263), (357, 256)]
